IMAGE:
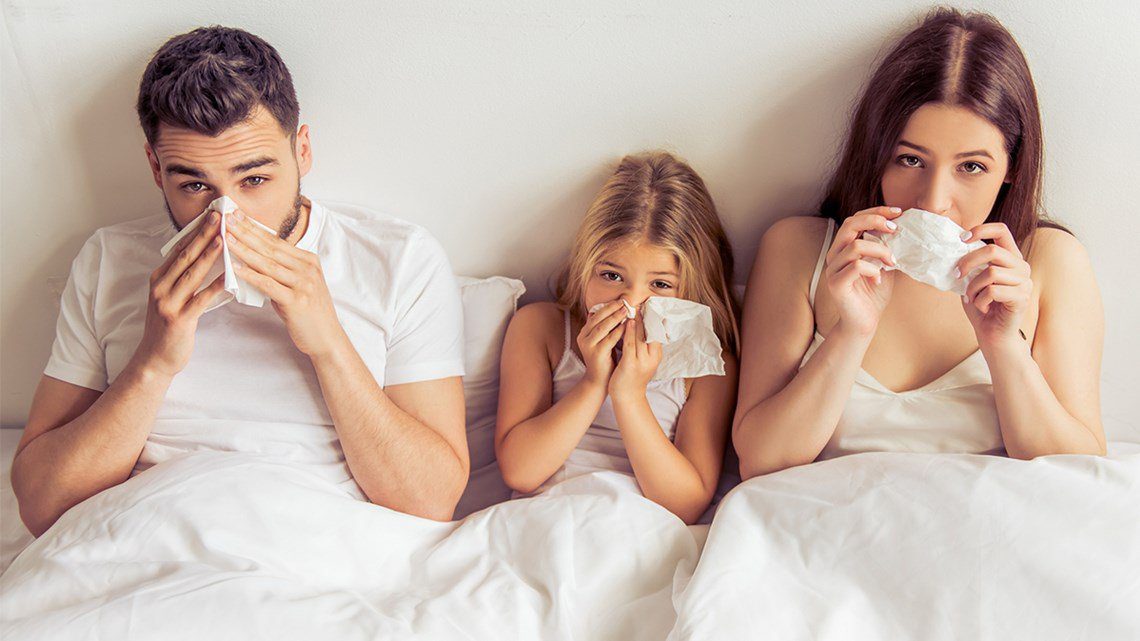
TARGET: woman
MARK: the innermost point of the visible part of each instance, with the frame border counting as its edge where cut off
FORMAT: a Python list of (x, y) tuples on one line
[(840, 357)]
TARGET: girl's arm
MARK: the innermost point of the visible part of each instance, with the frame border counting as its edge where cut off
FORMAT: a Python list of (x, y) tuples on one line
[(1048, 393), (681, 475), (533, 438)]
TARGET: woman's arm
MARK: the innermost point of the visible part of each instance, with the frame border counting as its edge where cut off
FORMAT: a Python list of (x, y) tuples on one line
[(786, 415), (1047, 393), (533, 437)]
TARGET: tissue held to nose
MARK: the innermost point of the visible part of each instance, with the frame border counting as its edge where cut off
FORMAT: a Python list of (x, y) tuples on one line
[(927, 247), (235, 288), (690, 347)]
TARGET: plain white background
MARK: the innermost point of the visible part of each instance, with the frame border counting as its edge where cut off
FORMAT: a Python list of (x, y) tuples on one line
[(493, 123)]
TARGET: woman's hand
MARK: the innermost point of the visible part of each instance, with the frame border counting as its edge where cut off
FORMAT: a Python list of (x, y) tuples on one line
[(998, 296), (596, 341), (638, 364), (860, 289)]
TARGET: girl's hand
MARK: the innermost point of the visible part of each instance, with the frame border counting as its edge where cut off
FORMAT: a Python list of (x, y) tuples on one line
[(596, 341), (639, 361), (860, 289), (998, 296)]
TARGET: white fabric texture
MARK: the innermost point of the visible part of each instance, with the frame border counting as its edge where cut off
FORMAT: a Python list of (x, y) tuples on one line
[(955, 413), (488, 305), (233, 545), (247, 387), (884, 546), (601, 447), (236, 288)]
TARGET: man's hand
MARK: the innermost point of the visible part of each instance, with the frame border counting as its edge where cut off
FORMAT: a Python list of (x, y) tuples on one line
[(293, 280), (175, 304)]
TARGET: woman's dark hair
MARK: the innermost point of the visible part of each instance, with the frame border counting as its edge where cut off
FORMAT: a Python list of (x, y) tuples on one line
[(953, 58), (213, 78)]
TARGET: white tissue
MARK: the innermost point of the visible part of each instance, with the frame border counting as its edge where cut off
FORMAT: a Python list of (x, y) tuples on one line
[(927, 247), (235, 288), (630, 310), (691, 348)]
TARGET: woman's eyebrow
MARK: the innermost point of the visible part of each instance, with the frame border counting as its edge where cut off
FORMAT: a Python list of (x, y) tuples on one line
[(920, 148)]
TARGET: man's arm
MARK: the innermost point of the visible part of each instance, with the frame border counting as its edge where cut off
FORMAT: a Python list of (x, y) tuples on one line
[(78, 441), (406, 445)]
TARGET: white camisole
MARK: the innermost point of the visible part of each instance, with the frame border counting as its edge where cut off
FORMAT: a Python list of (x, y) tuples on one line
[(601, 447), (954, 413)]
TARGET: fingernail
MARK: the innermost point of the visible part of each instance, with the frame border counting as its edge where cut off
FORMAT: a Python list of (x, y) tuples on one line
[(217, 241), (966, 235), (965, 298), (957, 273), (892, 225), (214, 217), (896, 210)]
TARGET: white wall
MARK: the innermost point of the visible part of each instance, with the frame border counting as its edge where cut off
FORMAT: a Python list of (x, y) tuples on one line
[(493, 123)]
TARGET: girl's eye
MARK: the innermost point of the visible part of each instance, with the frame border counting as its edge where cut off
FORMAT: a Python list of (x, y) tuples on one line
[(613, 277), (660, 284), (972, 167), (193, 187), (254, 181), (907, 160)]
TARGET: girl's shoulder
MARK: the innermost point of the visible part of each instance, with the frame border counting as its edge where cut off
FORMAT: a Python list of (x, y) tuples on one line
[(541, 324)]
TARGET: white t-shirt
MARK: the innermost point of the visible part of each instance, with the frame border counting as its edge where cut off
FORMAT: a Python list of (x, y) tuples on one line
[(247, 387)]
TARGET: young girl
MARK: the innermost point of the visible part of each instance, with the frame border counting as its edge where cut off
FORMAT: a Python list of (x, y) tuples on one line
[(840, 357), (568, 403)]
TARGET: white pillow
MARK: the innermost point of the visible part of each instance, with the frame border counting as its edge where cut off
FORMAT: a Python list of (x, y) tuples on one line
[(488, 305)]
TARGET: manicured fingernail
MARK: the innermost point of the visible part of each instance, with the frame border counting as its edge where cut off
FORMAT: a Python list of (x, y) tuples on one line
[(892, 225), (957, 273), (896, 210), (965, 298), (966, 235)]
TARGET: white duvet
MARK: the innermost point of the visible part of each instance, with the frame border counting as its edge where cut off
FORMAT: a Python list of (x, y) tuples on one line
[(918, 546), (870, 546), (231, 546)]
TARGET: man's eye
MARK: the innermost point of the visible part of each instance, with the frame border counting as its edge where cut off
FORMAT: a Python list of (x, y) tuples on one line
[(193, 187), (972, 167), (611, 276), (907, 160), (254, 181)]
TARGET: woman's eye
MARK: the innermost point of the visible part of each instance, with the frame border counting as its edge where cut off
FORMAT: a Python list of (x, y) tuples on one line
[(611, 276), (254, 181), (907, 160), (972, 167)]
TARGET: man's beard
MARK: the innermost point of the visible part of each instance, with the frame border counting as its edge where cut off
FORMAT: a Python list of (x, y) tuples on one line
[(283, 231)]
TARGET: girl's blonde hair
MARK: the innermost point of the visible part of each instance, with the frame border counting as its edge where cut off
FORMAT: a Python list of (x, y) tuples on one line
[(656, 198)]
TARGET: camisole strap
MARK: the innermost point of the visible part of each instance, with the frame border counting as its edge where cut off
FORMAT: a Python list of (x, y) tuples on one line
[(566, 338), (819, 261)]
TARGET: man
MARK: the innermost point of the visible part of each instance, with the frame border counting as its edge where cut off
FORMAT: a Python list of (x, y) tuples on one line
[(353, 365)]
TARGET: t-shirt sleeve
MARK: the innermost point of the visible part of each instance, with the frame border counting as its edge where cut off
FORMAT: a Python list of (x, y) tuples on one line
[(77, 354), (427, 335)]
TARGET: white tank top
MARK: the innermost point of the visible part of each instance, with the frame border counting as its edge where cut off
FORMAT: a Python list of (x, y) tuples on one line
[(601, 447), (954, 413)]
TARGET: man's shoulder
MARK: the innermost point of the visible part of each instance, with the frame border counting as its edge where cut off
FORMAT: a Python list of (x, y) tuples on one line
[(150, 228), (377, 233)]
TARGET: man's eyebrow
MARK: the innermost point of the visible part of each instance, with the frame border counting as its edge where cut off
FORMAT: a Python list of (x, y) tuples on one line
[(253, 164), (175, 168)]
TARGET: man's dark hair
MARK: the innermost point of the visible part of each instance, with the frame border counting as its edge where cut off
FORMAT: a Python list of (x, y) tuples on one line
[(213, 78)]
